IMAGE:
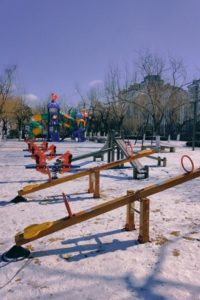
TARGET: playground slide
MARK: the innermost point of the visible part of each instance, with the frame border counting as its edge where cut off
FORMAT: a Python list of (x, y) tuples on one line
[(35, 129), (68, 123), (73, 125), (123, 146), (66, 120)]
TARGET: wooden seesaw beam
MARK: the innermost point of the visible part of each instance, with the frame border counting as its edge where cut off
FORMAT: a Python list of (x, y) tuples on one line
[(37, 231), (37, 187)]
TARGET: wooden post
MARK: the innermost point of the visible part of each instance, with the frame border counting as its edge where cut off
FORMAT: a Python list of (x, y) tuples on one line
[(164, 162), (130, 217), (91, 183), (144, 221), (97, 185)]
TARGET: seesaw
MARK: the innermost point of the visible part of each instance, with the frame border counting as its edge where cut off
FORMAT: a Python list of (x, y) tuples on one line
[(94, 177), (36, 231), (61, 165)]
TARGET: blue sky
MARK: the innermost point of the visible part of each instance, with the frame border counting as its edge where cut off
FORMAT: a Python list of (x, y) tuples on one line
[(59, 44)]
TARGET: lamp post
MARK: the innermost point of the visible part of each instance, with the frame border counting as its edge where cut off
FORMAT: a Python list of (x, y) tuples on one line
[(194, 91), (194, 124)]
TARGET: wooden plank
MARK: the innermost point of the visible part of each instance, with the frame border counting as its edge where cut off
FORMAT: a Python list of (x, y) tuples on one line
[(37, 231), (166, 184), (113, 164), (37, 187)]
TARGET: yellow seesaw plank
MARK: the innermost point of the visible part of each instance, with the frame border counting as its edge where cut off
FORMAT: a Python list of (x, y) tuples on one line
[(30, 187), (34, 229)]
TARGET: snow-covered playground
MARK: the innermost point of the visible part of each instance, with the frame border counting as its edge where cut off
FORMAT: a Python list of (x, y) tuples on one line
[(97, 259)]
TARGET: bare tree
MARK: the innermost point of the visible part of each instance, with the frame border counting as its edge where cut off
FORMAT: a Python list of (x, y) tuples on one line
[(160, 99), (150, 64), (83, 102), (177, 72), (16, 112), (97, 121), (6, 84), (154, 102), (116, 83), (22, 114)]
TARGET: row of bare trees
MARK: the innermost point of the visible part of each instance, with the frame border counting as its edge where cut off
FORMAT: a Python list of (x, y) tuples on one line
[(150, 98), (158, 102)]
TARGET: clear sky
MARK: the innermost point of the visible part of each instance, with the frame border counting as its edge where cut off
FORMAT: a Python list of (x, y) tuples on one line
[(58, 44)]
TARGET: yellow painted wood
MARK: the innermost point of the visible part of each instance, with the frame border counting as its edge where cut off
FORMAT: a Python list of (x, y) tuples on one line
[(166, 184), (30, 187), (34, 230), (37, 231)]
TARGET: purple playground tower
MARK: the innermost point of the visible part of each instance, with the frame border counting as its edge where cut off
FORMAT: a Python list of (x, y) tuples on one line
[(53, 119)]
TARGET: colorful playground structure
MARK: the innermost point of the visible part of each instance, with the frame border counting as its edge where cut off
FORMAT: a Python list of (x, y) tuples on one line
[(73, 124)]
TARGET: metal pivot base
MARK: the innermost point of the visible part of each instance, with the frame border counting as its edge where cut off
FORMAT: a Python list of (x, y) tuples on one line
[(15, 253), (142, 174), (18, 199)]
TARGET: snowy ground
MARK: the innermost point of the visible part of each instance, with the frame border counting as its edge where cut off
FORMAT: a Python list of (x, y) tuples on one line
[(97, 259)]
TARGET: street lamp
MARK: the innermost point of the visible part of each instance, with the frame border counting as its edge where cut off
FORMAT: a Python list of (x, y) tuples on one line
[(194, 89), (194, 124)]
